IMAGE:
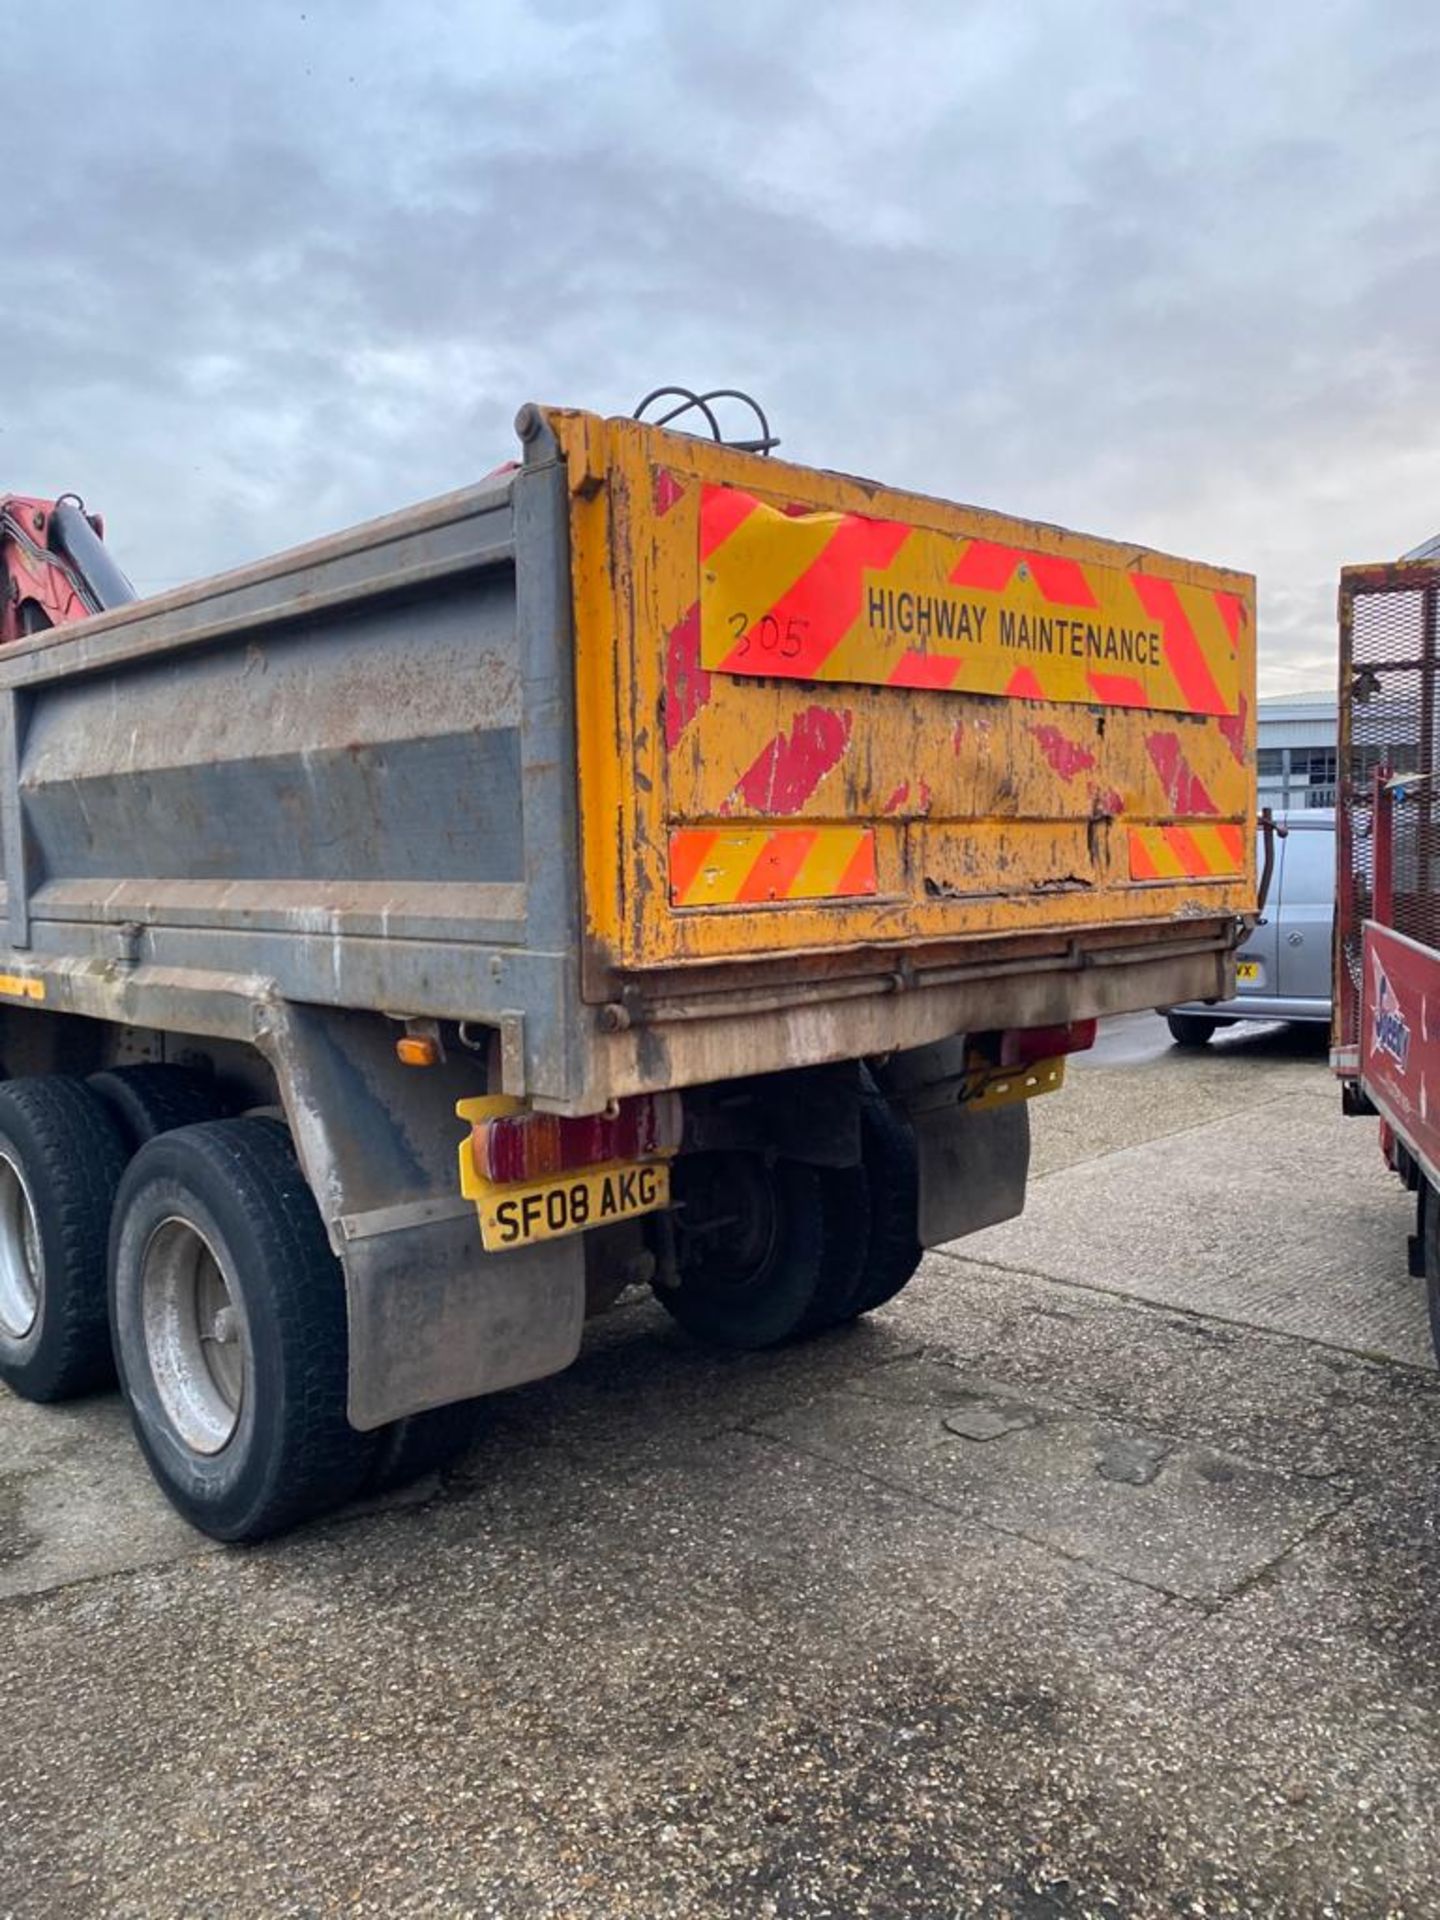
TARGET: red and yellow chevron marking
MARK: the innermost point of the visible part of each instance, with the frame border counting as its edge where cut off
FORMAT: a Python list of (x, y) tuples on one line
[(838, 596), (1186, 853), (746, 866)]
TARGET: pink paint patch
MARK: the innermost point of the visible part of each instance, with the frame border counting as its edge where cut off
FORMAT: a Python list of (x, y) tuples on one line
[(797, 510), (783, 777), (1117, 690), (1109, 802), (687, 684), (1233, 728), (915, 669), (898, 797), (1184, 654), (986, 565), (1022, 685), (665, 491), (1232, 612), (1065, 755), (1062, 582), (923, 797), (1186, 793), (722, 510), (957, 736)]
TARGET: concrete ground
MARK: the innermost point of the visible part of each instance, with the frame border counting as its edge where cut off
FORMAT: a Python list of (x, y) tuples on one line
[(1097, 1576)]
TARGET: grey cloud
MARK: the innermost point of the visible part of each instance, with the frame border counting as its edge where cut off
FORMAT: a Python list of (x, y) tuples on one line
[(1161, 271)]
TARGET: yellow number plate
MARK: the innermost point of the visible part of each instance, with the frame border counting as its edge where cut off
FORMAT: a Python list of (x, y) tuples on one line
[(1247, 969), (517, 1216)]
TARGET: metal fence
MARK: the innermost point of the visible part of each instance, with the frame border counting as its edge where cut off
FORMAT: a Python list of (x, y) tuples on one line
[(1389, 653)]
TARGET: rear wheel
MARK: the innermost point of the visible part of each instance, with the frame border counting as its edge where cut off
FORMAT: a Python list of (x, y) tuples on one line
[(228, 1313), (752, 1248), (156, 1097), (422, 1443), (1430, 1235), (892, 1167), (61, 1158), (1191, 1029), (845, 1199)]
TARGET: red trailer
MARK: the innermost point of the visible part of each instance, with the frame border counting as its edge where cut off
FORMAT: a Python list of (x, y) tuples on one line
[(1387, 926)]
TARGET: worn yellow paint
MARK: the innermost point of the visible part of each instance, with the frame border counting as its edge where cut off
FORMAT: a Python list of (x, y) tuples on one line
[(1194, 851), (22, 986), (989, 814), (721, 866), (911, 606)]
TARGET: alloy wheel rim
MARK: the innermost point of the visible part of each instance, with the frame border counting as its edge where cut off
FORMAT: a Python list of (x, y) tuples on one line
[(196, 1340), (22, 1266)]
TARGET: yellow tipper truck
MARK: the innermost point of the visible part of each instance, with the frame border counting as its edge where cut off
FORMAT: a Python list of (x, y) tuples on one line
[(657, 863)]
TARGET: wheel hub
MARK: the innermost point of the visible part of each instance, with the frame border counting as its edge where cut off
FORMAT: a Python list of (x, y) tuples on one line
[(728, 1219), (22, 1272), (195, 1336)]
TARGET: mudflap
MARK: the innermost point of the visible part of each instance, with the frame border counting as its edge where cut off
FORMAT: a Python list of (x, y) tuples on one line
[(973, 1166), (973, 1169), (434, 1318)]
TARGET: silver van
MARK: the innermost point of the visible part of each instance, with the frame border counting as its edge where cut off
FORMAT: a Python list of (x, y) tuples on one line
[(1283, 970)]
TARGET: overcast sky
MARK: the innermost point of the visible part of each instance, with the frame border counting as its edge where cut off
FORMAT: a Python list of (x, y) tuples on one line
[(1163, 271)]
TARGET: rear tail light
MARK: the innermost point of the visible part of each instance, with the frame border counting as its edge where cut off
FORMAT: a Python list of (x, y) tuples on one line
[(1023, 1046), (530, 1146)]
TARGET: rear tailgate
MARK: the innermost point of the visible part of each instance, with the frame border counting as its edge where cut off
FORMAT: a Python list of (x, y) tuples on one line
[(817, 715)]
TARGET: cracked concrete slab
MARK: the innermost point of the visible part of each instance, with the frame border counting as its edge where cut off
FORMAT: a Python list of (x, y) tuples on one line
[(1312, 1408), (1283, 1216), (1184, 1519), (76, 1501)]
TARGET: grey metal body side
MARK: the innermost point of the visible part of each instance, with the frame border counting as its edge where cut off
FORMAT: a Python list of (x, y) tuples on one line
[(347, 771), (285, 808)]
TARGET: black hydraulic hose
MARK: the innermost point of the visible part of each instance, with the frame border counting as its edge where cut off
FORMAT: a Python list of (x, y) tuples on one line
[(1272, 830), (76, 541)]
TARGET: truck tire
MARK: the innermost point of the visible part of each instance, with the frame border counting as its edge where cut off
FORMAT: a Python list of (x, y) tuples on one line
[(61, 1158), (155, 1097), (892, 1169), (1191, 1029), (1430, 1236), (405, 1450), (846, 1201), (228, 1314), (422, 1443), (753, 1249)]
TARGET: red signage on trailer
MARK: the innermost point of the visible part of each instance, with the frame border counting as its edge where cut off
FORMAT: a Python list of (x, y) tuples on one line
[(1400, 1040)]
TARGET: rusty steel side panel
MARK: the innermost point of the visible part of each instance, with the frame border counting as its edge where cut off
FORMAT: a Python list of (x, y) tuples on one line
[(845, 792)]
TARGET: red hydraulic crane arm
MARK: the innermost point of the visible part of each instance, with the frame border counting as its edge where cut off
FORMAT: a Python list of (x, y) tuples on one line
[(54, 567)]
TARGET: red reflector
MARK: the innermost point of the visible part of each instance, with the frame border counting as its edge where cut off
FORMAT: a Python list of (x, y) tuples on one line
[(528, 1146), (1024, 1045)]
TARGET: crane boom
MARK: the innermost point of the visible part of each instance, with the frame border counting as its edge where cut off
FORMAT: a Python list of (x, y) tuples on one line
[(54, 566)]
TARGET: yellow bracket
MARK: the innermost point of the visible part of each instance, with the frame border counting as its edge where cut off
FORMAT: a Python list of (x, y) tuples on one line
[(1004, 1086)]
